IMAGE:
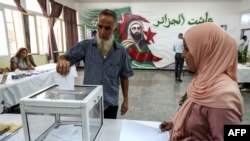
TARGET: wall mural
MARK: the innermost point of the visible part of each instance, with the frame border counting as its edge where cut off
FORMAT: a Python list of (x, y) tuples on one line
[(136, 34), (135, 38)]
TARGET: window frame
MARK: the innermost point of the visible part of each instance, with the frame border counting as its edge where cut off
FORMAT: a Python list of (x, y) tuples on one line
[(23, 31), (6, 34), (34, 16)]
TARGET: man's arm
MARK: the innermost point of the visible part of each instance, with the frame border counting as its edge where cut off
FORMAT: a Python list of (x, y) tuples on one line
[(72, 56), (124, 86), (174, 49)]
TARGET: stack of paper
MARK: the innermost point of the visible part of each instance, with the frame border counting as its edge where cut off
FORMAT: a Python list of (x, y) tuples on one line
[(135, 131), (7, 129)]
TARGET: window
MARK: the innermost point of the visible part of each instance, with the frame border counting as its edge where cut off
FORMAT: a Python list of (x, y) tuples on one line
[(245, 19), (42, 31), (3, 41), (33, 37), (33, 5), (8, 2), (12, 28), (15, 30), (42, 34), (59, 35), (64, 36)]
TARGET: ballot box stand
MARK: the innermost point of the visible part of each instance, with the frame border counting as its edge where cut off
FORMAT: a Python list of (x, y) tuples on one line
[(51, 109)]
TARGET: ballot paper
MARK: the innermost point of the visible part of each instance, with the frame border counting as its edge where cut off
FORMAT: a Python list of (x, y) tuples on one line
[(65, 133), (67, 82), (139, 131)]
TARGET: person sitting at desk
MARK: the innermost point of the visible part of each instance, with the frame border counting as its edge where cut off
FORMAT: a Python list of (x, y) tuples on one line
[(214, 99), (20, 60)]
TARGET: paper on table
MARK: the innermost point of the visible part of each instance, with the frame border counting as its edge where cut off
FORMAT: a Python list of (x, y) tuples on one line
[(135, 131), (67, 82), (3, 78)]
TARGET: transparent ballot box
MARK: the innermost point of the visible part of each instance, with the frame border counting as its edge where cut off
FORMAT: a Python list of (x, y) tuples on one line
[(57, 115)]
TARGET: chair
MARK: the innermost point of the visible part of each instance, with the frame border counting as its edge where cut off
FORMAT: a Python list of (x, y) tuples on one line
[(5, 64), (40, 59)]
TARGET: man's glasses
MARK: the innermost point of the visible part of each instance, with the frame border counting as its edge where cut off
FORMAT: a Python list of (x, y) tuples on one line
[(105, 27)]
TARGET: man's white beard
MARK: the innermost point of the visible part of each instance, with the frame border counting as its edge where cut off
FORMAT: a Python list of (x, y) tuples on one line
[(104, 44)]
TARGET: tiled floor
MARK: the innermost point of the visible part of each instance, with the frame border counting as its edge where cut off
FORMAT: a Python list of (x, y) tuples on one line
[(153, 95)]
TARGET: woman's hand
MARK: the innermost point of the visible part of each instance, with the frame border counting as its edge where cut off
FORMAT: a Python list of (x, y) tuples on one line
[(182, 99), (30, 67), (166, 126)]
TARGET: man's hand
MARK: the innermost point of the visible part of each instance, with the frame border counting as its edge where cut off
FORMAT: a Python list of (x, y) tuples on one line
[(124, 107), (63, 65), (166, 126)]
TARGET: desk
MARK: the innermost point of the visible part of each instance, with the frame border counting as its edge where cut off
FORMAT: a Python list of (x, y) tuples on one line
[(13, 90), (110, 132), (243, 73)]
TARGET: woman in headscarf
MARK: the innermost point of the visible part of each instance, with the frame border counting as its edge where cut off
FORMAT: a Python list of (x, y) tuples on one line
[(20, 60), (214, 99)]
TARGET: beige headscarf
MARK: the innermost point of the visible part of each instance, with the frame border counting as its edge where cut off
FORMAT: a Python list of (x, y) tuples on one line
[(215, 84)]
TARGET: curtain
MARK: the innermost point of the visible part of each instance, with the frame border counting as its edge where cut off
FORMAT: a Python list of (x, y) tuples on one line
[(56, 9), (26, 29), (70, 27)]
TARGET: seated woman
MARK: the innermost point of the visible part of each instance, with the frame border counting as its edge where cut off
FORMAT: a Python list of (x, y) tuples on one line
[(20, 60), (214, 99)]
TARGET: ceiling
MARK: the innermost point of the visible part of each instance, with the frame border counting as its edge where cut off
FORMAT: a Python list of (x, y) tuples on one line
[(156, 0)]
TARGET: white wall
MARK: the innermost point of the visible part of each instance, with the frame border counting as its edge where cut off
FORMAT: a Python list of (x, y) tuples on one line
[(223, 13), (245, 9), (245, 6), (67, 3)]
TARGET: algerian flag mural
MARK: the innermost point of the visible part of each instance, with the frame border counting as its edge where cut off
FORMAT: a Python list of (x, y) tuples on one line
[(145, 39), (91, 16), (136, 38)]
